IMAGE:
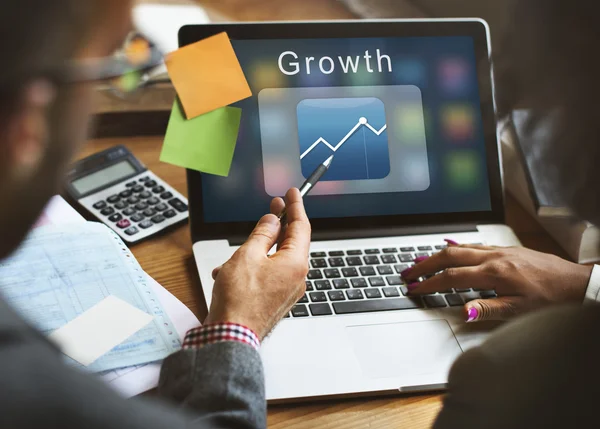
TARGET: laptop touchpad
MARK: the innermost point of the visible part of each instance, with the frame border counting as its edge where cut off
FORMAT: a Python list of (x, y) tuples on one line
[(395, 349)]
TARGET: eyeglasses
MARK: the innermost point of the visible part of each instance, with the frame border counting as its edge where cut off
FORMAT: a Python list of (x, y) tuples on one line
[(124, 72)]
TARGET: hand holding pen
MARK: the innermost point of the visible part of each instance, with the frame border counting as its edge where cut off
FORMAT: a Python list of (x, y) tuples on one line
[(310, 182), (278, 204)]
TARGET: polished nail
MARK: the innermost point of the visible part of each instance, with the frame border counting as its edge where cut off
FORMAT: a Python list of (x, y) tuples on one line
[(451, 242), (472, 314), (406, 272), (412, 286), (420, 259)]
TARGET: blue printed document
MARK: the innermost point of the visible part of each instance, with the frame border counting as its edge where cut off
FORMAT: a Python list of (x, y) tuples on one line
[(61, 271)]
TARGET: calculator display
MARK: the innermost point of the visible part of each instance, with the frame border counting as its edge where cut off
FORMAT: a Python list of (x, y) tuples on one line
[(103, 177)]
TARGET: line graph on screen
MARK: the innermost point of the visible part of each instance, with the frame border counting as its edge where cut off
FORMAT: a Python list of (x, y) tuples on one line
[(361, 122)]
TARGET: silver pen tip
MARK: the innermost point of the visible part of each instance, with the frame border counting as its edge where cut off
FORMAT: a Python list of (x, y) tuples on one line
[(327, 163)]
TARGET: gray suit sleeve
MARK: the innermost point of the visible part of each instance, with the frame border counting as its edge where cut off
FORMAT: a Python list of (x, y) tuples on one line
[(539, 371), (224, 381), (218, 386)]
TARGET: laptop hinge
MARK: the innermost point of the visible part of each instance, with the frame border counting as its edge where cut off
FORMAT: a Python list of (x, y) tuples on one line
[(383, 232)]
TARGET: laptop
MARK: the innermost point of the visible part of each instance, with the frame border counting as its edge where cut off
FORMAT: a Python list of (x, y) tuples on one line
[(407, 108)]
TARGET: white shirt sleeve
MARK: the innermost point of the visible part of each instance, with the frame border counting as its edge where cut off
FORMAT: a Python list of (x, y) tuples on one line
[(592, 294)]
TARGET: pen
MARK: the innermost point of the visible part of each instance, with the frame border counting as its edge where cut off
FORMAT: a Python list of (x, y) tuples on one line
[(311, 182)]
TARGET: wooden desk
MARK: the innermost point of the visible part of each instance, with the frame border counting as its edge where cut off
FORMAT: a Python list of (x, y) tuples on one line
[(169, 260)]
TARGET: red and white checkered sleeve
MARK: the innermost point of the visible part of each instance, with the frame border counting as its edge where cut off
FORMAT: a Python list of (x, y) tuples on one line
[(219, 332)]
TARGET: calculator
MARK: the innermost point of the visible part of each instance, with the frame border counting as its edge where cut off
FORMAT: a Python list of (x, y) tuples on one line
[(117, 189)]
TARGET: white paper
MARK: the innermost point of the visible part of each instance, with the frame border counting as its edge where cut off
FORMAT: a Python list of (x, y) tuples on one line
[(132, 380), (99, 329), (61, 271), (138, 379), (57, 212)]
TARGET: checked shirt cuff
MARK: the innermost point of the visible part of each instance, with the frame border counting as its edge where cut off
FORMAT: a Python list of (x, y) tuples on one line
[(219, 332)]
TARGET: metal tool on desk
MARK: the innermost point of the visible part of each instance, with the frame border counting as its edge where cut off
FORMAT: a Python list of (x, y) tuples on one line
[(310, 182)]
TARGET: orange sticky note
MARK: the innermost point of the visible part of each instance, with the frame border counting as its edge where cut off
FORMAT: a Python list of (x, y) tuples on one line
[(207, 75)]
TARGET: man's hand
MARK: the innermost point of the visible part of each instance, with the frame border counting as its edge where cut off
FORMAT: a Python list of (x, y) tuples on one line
[(524, 280), (256, 290)]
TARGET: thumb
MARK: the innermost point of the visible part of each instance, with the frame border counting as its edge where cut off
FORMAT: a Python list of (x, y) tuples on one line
[(493, 309), (264, 236)]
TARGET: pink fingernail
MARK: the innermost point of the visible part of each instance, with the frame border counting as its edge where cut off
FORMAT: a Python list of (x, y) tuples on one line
[(451, 242), (412, 286), (472, 314), (420, 259), (406, 272)]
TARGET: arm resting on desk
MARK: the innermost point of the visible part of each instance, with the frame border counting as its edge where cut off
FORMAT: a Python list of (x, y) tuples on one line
[(220, 386), (224, 381)]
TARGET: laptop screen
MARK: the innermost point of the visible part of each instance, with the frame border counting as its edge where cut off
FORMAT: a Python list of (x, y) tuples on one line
[(402, 116)]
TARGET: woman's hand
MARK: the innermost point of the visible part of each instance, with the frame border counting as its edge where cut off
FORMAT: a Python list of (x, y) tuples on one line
[(524, 280)]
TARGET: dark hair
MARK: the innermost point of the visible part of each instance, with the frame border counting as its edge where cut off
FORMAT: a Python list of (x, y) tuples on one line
[(548, 63), (36, 38)]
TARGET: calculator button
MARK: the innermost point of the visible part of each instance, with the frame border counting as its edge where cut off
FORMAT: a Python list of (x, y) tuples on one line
[(145, 194), (143, 179), (141, 206), (99, 205), (160, 207), (137, 188), (153, 201), (137, 217), (131, 231), (130, 184), (125, 194), (107, 211), (150, 184), (121, 205), (146, 224), (158, 219), (116, 217), (158, 189), (149, 212), (170, 213), (113, 199), (128, 211), (123, 223), (133, 200), (178, 205), (166, 195)]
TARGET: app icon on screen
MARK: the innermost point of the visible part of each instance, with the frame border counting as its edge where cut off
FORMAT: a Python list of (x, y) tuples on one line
[(458, 122), (455, 77), (411, 72), (462, 169), (354, 129)]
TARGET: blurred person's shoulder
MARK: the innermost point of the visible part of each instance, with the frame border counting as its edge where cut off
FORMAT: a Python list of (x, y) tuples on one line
[(576, 326), (540, 370)]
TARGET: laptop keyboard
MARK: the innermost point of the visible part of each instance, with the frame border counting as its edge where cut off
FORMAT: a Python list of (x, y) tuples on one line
[(368, 280)]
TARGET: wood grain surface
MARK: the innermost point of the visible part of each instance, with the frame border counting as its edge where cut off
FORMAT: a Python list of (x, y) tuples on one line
[(168, 259)]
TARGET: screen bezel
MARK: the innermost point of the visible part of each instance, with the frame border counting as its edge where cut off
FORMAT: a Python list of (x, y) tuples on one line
[(475, 28)]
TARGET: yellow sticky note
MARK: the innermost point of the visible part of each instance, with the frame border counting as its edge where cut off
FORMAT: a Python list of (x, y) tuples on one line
[(207, 75)]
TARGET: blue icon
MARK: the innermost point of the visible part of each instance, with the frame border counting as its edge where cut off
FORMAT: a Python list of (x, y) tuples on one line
[(354, 129)]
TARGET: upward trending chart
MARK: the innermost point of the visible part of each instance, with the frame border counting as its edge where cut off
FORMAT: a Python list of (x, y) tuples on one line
[(362, 122)]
